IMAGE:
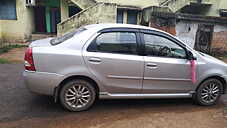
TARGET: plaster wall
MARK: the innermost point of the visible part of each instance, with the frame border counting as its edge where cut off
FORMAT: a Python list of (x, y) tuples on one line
[(18, 30), (100, 13), (186, 31)]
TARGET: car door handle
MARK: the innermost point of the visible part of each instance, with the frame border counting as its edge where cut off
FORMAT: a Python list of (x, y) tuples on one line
[(95, 60), (151, 65)]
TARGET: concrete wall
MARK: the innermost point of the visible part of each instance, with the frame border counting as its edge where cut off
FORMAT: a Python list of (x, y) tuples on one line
[(186, 31), (18, 30), (0, 33), (100, 13), (64, 10), (214, 8), (135, 3), (83, 4), (223, 4)]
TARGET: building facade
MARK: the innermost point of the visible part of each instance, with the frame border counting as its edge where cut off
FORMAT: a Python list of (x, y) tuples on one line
[(202, 24), (204, 19)]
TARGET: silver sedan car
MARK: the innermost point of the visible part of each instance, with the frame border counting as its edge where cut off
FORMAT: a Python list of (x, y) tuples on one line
[(120, 61)]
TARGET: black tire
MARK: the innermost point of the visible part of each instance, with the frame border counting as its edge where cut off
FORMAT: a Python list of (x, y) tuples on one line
[(75, 105), (204, 96)]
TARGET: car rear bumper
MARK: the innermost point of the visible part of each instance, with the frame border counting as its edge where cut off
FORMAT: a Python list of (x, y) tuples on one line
[(42, 82)]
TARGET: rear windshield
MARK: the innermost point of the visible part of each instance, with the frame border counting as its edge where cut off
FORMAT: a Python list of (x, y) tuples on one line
[(67, 36)]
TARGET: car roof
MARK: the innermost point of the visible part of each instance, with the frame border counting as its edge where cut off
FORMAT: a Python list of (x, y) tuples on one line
[(98, 27)]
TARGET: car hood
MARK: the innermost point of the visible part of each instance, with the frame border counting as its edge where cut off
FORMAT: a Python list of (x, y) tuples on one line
[(212, 59), (41, 43)]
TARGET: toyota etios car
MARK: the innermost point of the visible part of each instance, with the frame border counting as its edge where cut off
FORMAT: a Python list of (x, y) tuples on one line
[(120, 61)]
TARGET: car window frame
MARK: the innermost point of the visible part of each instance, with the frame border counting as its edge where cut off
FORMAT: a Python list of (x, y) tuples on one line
[(110, 30), (161, 34)]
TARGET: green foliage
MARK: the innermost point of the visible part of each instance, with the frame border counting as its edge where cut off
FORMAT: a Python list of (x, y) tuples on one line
[(9, 47), (4, 61)]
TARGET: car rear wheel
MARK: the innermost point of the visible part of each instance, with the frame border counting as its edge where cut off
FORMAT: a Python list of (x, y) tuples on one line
[(77, 95), (209, 92)]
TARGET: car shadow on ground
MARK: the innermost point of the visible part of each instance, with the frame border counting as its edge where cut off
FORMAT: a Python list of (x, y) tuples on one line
[(45, 107)]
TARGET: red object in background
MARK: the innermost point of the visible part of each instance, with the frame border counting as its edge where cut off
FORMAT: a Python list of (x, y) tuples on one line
[(28, 60)]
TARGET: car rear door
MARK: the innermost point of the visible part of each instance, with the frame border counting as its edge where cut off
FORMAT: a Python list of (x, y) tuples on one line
[(166, 68), (113, 58)]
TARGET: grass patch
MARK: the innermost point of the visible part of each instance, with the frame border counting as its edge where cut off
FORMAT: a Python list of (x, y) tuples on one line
[(225, 111), (9, 47), (4, 61), (225, 108)]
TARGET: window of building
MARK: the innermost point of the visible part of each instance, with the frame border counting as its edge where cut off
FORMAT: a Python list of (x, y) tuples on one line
[(8, 10), (132, 17), (223, 13), (162, 47), (115, 42), (120, 16)]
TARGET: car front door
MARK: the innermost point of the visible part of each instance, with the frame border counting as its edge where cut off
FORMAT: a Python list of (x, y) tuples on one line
[(113, 58), (166, 68)]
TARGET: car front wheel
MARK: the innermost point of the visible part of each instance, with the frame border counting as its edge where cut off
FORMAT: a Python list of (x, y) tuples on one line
[(77, 95), (209, 92)]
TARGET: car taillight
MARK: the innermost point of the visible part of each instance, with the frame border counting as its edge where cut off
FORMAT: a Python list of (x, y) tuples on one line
[(28, 60)]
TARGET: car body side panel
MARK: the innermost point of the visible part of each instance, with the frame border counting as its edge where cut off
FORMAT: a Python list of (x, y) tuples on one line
[(205, 69), (118, 73), (169, 75)]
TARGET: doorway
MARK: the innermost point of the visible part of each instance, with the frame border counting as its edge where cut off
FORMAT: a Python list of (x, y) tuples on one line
[(55, 19), (46, 19), (204, 37), (40, 19)]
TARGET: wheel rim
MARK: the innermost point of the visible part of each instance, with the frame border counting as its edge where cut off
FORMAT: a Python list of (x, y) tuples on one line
[(210, 92), (77, 96)]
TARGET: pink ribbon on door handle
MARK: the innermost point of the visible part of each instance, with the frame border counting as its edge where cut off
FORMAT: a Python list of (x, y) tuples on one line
[(193, 71)]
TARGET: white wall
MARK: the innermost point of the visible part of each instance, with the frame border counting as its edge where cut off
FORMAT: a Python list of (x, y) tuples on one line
[(220, 28), (186, 31)]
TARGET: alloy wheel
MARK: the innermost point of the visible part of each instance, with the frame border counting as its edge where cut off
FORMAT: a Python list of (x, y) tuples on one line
[(77, 96), (210, 93)]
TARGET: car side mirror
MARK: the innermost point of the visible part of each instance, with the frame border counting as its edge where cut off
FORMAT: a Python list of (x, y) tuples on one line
[(190, 56)]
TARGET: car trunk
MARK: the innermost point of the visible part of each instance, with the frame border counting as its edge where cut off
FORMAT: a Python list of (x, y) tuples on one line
[(41, 43)]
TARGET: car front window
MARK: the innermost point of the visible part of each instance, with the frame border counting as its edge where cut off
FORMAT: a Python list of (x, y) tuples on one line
[(160, 46)]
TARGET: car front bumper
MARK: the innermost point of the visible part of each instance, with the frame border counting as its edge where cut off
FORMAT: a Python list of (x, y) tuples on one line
[(42, 82)]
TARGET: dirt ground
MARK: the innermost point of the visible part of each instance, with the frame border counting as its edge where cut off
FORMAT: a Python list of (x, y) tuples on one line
[(225, 59), (15, 55), (155, 116)]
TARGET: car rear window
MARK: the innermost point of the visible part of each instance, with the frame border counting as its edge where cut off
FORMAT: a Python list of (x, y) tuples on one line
[(67, 36)]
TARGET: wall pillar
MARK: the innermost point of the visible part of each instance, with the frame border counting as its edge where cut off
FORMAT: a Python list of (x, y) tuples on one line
[(64, 10), (125, 17)]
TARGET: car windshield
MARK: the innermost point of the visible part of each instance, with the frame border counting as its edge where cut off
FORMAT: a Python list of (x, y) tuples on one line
[(67, 36)]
